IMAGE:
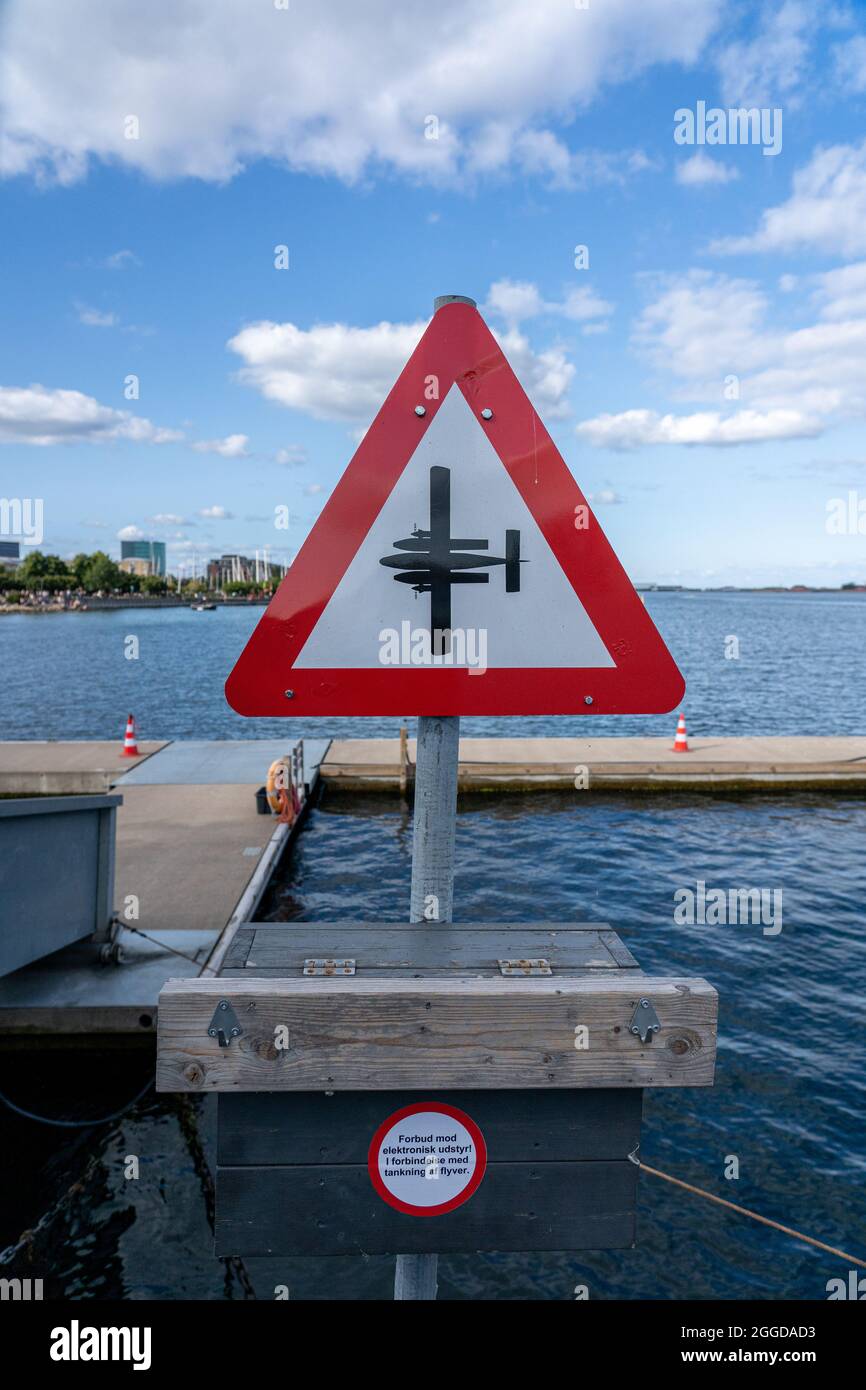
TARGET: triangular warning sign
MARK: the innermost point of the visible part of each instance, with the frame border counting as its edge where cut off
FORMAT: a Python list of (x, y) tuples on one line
[(457, 568)]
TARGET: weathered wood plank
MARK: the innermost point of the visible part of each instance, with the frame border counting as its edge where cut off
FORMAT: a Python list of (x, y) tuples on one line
[(618, 949), (238, 949), (334, 1210), (499, 1033), (445, 950), (409, 972), (518, 1126)]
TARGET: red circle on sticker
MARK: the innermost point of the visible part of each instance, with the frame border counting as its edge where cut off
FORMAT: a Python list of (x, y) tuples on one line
[(427, 1159)]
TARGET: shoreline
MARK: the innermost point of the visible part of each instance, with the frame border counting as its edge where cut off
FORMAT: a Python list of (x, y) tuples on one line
[(95, 605), (98, 605)]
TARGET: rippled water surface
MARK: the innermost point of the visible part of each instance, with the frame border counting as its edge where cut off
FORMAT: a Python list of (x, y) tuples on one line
[(801, 670), (788, 1104), (789, 1100)]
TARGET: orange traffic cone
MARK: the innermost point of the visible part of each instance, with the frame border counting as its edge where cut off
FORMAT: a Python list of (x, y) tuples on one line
[(681, 743), (130, 747)]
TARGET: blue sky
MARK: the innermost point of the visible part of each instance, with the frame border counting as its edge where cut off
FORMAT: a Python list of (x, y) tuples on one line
[(310, 127)]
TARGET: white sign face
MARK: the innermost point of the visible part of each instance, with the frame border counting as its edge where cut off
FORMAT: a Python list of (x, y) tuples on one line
[(537, 621), (426, 1160)]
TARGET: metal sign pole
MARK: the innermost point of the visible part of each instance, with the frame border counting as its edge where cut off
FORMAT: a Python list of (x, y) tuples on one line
[(431, 898), (432, 894)]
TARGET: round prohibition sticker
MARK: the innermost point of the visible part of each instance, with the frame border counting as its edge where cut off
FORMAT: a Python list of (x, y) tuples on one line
[(427, 1159)]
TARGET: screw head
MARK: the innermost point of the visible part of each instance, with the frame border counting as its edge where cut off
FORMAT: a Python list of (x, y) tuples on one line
[(644, 1003), (289, 694), (487, 413), (587, 699), (420, 410)]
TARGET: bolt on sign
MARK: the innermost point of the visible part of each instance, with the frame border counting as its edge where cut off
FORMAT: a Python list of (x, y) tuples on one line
[(427, 1159), (457, 567)]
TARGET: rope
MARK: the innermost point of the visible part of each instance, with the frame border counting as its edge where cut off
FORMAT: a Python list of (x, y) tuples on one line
[(174, 951), (74, 1124), (744, 1211)]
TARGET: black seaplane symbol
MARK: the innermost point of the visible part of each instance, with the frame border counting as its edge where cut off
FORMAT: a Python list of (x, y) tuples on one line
[(438, 560)]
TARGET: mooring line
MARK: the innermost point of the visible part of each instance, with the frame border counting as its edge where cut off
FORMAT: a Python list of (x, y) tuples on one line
[(172, 949), (75, 1124), (745, 1211)]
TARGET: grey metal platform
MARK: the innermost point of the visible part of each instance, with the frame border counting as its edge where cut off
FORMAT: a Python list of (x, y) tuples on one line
[(71, 992), (203, 762)]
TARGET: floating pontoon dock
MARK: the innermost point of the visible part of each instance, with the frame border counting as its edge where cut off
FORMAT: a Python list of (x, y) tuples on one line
[(193, 859), (624, 764), (193, 852)]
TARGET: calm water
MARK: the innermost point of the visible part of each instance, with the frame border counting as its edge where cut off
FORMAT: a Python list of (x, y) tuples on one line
[(789, 1100), (801, 670)]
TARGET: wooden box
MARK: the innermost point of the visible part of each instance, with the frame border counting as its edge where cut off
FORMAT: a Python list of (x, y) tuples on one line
[(540, 1034)]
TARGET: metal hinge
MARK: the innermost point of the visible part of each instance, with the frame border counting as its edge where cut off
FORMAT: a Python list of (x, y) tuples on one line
[(525, 967), (224, 1025), (329, 967), (644, 1021)]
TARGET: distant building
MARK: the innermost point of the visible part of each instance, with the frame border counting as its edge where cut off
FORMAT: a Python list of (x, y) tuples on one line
[(134, 565), (10, 555), (153, 551), (240, 569)]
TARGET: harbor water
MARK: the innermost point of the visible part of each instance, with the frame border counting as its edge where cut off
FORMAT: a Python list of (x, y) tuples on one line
[(801, 661), (789, 1095)]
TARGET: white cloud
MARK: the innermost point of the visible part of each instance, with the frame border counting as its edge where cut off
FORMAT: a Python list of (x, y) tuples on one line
[(826, 210), (545, 376), (169, 519), (850, 64), (95, 318), (606, 498), (216, 513), (335, 372), (291, 456), (130, 533), (312, 489), (42, 415), (762, 70), (583, 303), (340, 89), (516, 300), (711, 336), (119, 260), (633, 428), (702, 326), (702, 169), (330, 371), (234, 446), (706, 327)]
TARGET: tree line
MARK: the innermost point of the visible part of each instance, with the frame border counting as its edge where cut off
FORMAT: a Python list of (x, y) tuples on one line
[(97, 573)]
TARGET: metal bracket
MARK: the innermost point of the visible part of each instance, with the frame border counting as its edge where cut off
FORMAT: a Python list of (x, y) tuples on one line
[(525, 967), (329, 967), (644, 1021), (224, 1025), (110, 949)]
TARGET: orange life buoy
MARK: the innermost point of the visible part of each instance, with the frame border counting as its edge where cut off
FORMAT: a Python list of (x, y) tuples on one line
[(278, 782)]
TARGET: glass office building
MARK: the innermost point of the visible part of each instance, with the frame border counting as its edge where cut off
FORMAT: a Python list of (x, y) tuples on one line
[(154, 551)]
